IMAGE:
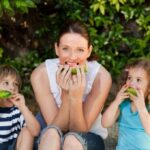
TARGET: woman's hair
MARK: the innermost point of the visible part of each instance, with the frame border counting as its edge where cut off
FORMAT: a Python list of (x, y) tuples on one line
[(139, 63), (78, 27), (74, 27), (6, 70)]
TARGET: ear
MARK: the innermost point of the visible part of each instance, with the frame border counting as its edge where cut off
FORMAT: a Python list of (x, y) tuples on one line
[(56, 49), (90, 51)]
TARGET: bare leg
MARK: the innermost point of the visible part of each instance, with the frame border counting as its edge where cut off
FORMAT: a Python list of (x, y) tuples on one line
[(71, 143), (50, 140), (25, 140)]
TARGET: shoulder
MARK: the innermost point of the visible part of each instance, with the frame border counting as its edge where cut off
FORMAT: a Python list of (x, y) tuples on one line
[(104, 74), (39, 74), (39, 71)]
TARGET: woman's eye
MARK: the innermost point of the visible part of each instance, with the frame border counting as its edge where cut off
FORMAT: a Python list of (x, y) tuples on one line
[(81, 50), (64, 49)]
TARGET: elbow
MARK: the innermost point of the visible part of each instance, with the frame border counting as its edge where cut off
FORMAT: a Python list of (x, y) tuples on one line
[(148, 131), (36, 131), (105, 123)]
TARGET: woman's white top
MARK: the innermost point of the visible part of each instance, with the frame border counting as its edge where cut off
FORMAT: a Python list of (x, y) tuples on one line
[(93, 68)]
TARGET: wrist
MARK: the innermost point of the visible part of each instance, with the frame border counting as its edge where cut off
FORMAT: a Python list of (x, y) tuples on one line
[(117, 102), (23, 108)]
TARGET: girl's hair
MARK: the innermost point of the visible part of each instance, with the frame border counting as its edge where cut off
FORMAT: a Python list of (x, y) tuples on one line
[(6, 70), (78, 27), (139, 63)]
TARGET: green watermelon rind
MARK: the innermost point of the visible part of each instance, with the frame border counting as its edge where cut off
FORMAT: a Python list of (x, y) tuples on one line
[(74, 70), (131, 91), (5, 94)]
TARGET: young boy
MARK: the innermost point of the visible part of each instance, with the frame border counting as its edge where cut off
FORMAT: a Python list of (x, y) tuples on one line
[(18, 125)]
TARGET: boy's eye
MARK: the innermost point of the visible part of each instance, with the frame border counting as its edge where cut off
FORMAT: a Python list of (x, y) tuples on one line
[(16, 84), (138, 80), (6, 83)]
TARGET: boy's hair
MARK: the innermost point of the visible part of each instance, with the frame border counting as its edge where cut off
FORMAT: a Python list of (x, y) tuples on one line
[(7, 70)]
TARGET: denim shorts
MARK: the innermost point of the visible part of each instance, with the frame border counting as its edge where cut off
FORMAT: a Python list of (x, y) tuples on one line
[(9, 145), (89, 141)]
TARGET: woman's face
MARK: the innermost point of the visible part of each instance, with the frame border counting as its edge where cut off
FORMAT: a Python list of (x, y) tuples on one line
[(72, 49), (138, 78)]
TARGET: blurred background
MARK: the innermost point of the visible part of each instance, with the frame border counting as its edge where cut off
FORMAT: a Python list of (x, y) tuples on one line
[(119, 30)]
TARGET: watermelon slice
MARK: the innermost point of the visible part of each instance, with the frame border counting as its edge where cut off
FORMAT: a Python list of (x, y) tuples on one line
[(5, 94), (132, 91)]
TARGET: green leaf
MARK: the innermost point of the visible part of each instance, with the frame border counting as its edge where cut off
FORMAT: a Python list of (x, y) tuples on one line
[(1, 10)]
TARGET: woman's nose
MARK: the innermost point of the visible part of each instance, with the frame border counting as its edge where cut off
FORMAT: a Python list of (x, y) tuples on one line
[(73, 55)]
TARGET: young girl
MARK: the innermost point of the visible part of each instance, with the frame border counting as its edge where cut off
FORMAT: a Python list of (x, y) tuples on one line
[(71, 103), (132, 111), (18, 126)]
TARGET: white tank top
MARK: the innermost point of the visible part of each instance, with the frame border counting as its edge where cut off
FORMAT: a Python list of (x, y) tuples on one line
[(93, 67)]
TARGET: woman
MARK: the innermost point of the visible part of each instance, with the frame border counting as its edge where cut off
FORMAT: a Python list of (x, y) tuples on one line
[(71, 103)]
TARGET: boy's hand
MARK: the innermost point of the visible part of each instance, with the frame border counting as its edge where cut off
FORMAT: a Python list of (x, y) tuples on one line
[(18, 100)]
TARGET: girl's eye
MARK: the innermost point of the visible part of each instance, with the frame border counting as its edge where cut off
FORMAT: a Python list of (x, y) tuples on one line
[(128, 78)]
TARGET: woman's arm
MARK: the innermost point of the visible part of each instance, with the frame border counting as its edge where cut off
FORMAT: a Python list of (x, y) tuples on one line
[(45, 99), (87, 112)]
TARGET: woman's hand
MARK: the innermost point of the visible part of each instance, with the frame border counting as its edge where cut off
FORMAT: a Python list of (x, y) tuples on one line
[(77, 83), (63, 75)]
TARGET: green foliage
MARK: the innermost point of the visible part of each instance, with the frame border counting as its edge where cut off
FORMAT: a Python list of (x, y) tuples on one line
[(119, 29), (1, 52), (10, 7), (25, 66)]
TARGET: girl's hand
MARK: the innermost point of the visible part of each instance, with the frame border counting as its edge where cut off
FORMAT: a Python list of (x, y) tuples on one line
[(121, 95), (138, 100), (63, 75), (18, 100), (77, 83)]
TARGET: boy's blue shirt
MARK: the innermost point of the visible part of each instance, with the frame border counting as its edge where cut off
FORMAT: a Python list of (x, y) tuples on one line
[(132, 135)]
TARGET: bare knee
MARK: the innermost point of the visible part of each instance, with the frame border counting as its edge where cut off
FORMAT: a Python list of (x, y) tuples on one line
[(51, 133), (50, 139), (71, 142)]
